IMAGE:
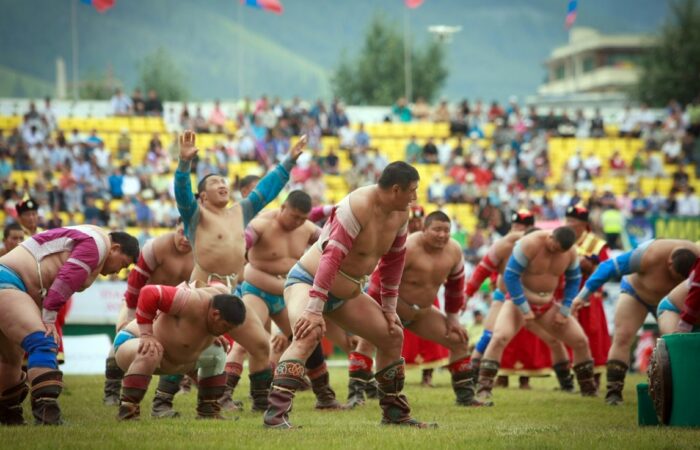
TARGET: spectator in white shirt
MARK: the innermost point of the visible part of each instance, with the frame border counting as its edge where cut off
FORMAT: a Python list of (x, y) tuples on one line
[(121, 104), (672, 150)]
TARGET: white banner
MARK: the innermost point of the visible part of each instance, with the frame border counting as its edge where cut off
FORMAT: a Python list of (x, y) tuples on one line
[(97, 305)]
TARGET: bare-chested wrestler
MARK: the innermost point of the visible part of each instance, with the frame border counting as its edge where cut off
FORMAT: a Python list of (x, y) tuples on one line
[(532, 275), (165, 260), (12, 235), (432, 259), (368, 227), (653, 269), (216, 233), (174, 333), (36, 279), (276, 240), (494, 262)]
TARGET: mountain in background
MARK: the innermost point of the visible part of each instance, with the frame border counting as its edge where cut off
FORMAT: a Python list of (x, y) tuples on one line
[(499, 52)]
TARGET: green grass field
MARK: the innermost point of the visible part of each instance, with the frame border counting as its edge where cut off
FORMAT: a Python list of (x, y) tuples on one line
[(540, 418)]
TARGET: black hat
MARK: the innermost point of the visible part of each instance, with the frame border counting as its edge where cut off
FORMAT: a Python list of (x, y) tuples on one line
[(578, 212), (28, 204), (523, 217)]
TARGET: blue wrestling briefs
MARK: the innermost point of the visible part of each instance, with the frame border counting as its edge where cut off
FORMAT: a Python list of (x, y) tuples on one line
[(299, 275), (627, 288), (666, 305), (122, 337), (10, 280), (275, 303)]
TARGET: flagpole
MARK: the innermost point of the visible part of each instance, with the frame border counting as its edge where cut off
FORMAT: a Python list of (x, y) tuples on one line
[(408, 81), (239, 52), (74, 44)]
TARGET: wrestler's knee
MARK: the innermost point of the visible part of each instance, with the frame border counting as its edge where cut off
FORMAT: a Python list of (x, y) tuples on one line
[(260, 348), (458, 347), (623, 336), (151, 359), (391, 342), (499, 340), (309, 341), (41, 350), (580, 343)]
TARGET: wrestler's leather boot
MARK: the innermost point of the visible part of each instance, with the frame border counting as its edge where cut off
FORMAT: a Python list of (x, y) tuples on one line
[(371, 388), (356, 387), (617, 370), (502, 381), (427, 378), (11, 403), (462, 381), (210, 390), (487, 374), (162, 407), (395, 408), (320, 384), (45, 390), (585, 378), (260, 383), (233, 376), (564, 376), (113, 382), (134, 387), (289, 377)]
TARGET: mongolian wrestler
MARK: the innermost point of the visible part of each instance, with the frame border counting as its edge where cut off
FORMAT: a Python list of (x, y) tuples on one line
[(368, 227), (653, 269), (12, 235), (528, 343), (37, 278), (432, 259), (276, 240), (175, 333), (415, 348), (538, 261), (216, 233), (592, 250), (165, 260)]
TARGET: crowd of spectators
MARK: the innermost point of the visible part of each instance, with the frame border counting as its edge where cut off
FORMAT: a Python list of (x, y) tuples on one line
[(495, 175)]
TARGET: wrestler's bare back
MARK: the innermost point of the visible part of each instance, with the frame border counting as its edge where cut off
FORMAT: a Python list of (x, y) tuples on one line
[(275, 251), (655, 280), (23, 263), (424, 272), (219, 245), (184, 336), (378, 232)]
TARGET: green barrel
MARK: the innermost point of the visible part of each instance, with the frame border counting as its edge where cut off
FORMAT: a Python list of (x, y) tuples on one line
[(646, 414), (684, 350), (674, 380)]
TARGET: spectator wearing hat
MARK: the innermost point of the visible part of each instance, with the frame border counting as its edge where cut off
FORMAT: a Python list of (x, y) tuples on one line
[(28, 216)]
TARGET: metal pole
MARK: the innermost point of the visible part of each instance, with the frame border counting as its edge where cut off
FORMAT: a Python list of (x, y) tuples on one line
[(408, 77), (239, 52), (74, 38)]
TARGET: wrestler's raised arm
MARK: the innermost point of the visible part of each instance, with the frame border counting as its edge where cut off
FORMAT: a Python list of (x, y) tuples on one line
[(269, 187), (186, 202)]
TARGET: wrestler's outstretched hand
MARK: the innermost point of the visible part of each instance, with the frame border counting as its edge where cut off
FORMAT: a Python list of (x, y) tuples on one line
[(148, 345), (51, 331), (393, 320), (453, 326), (576, 305), (279, 342), (298, 148), (221, 341), (307, 322), (188, 145)]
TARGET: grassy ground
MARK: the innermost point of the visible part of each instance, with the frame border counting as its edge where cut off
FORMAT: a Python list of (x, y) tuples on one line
[(540, 418)]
